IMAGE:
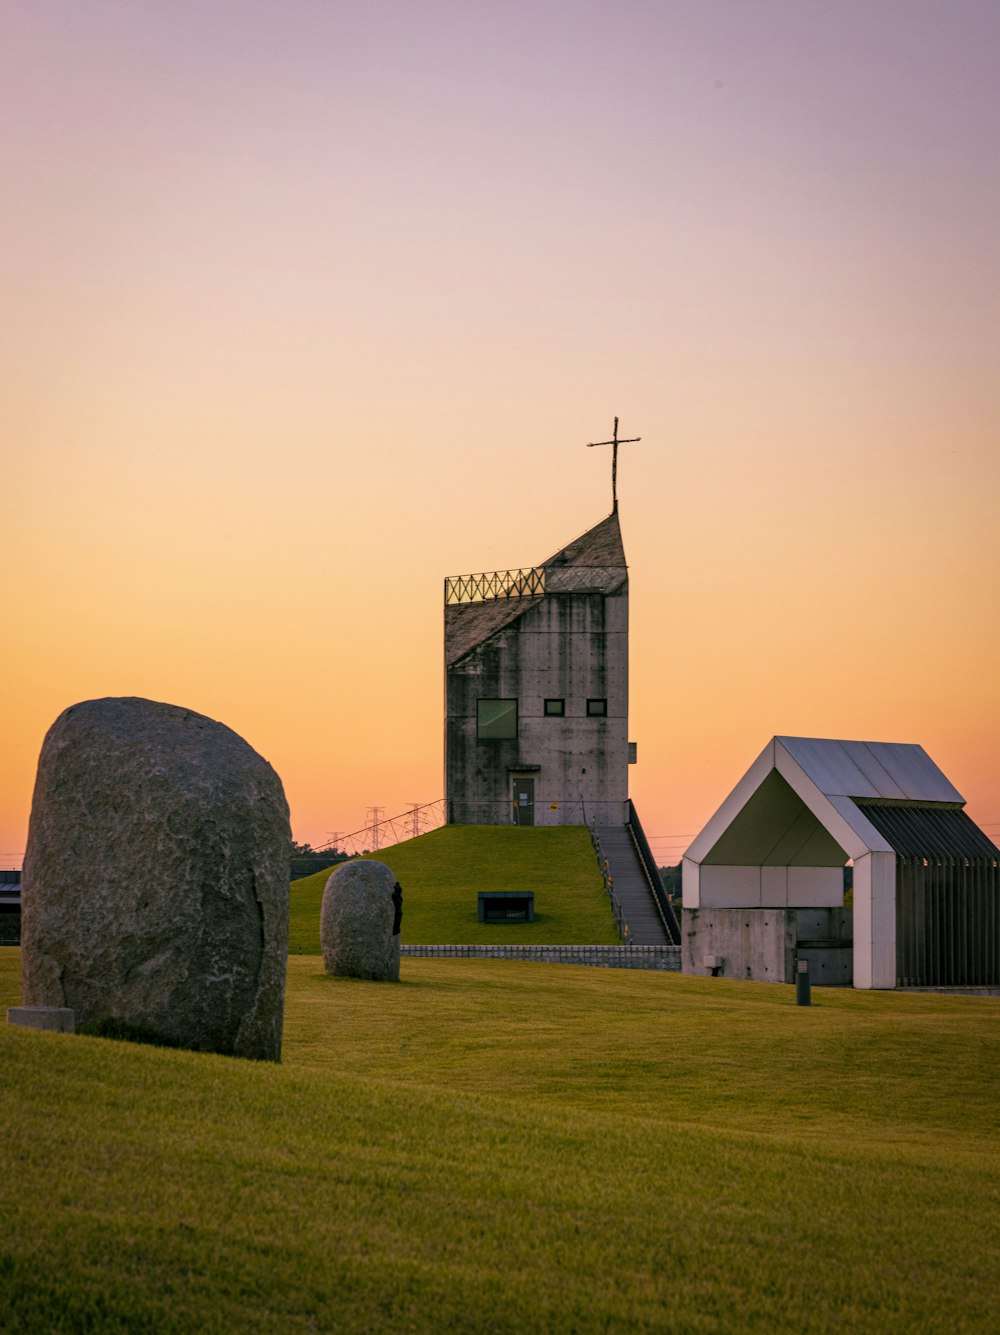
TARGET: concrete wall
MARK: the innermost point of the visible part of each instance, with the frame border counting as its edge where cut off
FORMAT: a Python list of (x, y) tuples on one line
[(764, 944), (757, 944), (825, 937), (713, 886), (569, 646)]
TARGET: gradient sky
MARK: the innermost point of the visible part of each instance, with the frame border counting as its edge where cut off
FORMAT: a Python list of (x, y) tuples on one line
[(308, 305)]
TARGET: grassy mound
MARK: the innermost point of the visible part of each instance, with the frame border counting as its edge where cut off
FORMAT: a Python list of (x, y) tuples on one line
[(443, 871), (512, 1147)]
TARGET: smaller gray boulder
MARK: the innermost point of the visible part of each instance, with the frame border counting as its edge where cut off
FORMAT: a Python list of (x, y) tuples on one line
[(359, 922)]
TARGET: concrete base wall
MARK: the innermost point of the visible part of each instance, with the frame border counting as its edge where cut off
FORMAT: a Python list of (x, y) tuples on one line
[(765, 944)]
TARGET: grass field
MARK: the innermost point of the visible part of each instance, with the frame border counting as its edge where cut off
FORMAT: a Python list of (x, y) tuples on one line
[(513, 1147), (442, 872)]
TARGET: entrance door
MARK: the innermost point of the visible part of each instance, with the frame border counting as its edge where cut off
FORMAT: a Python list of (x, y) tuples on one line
[(524, 801)]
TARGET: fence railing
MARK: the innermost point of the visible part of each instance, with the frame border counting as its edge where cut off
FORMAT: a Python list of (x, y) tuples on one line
[(544, 811), (529, 583), (663, 905), (609, 885), (532, 582)]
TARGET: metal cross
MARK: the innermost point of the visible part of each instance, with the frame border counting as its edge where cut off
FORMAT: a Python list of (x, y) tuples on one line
[(614, 458)]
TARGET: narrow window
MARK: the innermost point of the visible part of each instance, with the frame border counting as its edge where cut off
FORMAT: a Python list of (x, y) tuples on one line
[(555, 708), (597, 708), (496, 720)]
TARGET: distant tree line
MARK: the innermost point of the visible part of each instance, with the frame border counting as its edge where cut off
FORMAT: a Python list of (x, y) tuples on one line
[(671, 878), (306, 859)]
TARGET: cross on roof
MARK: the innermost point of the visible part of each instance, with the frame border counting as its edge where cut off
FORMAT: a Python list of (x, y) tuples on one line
[(614, 458)]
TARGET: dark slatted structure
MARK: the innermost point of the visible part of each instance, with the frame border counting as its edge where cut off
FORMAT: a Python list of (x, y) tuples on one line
[(947, 895), (10, 908)]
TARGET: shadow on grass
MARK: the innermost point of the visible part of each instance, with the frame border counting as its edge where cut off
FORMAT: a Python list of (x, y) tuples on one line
[(123, 1032), (409, 984)]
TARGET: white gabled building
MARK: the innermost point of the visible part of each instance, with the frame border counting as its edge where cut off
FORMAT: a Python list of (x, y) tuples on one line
[(764, 881)]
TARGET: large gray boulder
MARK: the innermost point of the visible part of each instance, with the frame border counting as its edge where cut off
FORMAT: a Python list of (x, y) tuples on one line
[(155, 883), (361, 908)]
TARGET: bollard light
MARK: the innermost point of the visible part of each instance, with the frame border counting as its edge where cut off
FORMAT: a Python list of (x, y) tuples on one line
[(802, 989)]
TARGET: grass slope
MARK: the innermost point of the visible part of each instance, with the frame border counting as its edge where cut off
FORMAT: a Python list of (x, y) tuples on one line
[(443, 871), (512, 1147)]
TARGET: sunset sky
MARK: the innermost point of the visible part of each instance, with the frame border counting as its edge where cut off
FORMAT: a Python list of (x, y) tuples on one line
[(308, 305)]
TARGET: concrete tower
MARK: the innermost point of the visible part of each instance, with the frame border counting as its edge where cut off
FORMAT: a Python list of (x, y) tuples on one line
[(536, 666)]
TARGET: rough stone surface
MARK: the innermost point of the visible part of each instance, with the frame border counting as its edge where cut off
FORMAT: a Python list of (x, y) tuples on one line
[(356, 921), (155, 882)]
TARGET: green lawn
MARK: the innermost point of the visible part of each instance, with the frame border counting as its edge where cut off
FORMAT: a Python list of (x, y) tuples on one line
[(513, 1147), (443, 871)]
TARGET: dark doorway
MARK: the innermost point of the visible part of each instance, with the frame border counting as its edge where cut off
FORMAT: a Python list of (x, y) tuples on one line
[(524, 801), (507, 906)]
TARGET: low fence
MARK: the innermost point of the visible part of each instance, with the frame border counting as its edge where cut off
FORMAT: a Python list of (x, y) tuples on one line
[(666, 959)]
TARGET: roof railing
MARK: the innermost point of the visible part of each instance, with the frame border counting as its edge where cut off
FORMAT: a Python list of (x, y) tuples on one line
[(532, 582), (529, 583)]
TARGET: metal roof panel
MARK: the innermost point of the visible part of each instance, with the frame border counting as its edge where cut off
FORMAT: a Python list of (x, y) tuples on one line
[(899, 770), (829, 766), (912, 768)]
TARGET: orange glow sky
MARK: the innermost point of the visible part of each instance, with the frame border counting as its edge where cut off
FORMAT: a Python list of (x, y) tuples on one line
[(308, 305)]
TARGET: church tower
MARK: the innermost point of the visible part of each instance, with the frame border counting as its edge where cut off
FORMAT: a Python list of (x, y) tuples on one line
[(536, 670)]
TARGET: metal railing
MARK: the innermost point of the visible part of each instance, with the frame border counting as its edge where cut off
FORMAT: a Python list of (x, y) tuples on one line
[(609, 885), (532, 582), (529, 583), (663, 905), (547, 811)]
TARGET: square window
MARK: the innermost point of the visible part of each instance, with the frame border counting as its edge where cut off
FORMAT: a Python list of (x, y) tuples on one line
[(496, 720), (597, 708), (555, 708)]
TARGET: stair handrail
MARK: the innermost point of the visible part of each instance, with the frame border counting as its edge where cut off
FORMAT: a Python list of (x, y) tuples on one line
[(652, 874), (624, 931)]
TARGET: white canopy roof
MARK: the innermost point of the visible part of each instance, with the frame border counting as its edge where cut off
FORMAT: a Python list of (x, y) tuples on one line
[(826, 775)]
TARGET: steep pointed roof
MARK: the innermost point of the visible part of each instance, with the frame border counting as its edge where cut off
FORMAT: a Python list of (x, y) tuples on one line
[(598, 551), (599, 546), (467, 625)]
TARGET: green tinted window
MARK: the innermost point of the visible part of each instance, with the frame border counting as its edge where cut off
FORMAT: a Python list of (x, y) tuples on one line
[(496, 720)]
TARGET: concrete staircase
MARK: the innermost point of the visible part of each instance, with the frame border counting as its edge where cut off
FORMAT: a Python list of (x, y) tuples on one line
[(631, 887)]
